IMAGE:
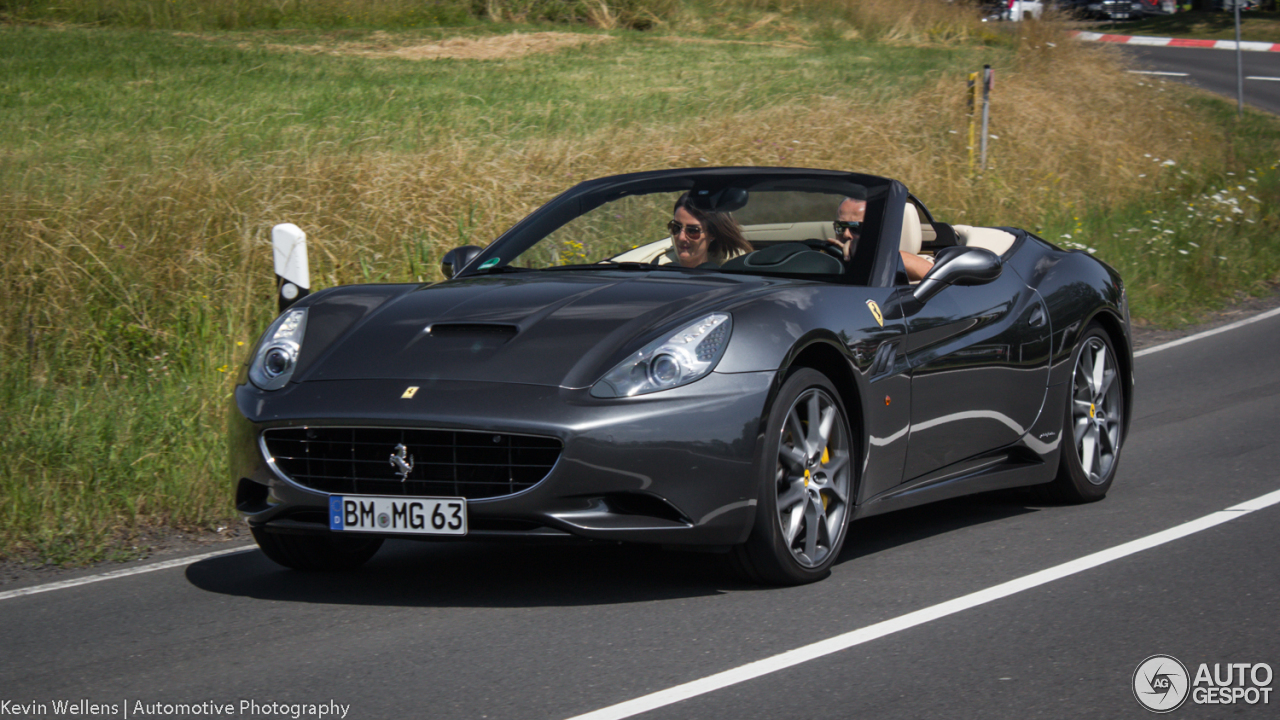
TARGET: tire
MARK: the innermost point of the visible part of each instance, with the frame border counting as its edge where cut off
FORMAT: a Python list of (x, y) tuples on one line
[(1093, 422), (806, 486), (316, 552)]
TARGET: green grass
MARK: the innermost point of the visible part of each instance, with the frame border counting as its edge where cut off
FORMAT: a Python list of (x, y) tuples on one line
[(240, 14), (1196, 240), (104, 99), (87, 465), (329, 14), (1197, 248), (141, 171)]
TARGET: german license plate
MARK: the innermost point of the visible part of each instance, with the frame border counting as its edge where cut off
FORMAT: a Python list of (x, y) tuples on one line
[(410, 515)]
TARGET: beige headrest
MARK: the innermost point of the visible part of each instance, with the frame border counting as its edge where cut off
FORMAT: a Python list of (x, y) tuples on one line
[(911, 235)]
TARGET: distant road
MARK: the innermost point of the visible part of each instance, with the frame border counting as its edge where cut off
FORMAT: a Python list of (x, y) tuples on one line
[(1215, 71)]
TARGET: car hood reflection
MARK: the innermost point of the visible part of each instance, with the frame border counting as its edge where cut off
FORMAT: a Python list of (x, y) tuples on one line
[(556, 329)]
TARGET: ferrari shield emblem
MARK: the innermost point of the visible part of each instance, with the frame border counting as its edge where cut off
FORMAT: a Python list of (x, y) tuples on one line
[(875, 312), (409, 392)]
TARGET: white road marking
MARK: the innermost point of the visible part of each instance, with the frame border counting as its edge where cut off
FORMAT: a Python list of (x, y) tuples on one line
[(1258, 77), (1156, 72), (819, 649), (139, 570), (1245, 45), (1200, 336), (1152, 41)]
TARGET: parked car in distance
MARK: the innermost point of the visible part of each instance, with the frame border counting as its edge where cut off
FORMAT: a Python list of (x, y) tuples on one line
[(1105, 9), (1015, 10)]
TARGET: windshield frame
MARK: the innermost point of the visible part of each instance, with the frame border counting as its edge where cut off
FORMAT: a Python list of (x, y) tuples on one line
[(870, 266)]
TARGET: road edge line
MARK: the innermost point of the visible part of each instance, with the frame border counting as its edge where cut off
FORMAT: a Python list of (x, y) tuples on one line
[(1201, 335), (766, 666), (139, 570)]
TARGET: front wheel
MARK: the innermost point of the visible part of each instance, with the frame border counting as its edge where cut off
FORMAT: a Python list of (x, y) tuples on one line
[(806, 486), (1093, 429), (316, 552)]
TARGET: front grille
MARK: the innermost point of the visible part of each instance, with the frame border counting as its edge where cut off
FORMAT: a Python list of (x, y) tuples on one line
[(446, 463)]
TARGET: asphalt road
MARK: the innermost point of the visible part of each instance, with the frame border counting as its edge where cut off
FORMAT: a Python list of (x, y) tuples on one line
[(491, 631), (1215, 71)]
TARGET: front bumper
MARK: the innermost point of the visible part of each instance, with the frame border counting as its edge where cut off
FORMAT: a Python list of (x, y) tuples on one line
[(677, 467)]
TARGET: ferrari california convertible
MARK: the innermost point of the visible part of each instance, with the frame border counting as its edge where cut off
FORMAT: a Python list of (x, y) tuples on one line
[(727, 359)]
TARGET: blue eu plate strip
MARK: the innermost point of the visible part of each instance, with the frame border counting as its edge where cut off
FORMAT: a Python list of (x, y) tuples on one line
[(335, 512)]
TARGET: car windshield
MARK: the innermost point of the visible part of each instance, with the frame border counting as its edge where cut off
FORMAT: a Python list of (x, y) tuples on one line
[(779, 226)]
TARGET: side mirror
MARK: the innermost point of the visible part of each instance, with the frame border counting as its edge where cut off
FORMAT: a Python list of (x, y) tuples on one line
[(293, 275), (456, 259), (963, 266)]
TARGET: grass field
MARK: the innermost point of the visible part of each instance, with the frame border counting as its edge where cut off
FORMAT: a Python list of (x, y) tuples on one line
[(141, 168)]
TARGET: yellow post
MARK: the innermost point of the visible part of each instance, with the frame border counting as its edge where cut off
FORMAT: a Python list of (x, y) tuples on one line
[(973, 129)]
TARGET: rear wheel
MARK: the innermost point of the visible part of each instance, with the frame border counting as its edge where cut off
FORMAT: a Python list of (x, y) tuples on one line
[(316, 552), (1093, 429), (806, 486)]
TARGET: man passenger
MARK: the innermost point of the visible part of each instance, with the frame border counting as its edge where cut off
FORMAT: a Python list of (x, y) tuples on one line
[(848, 227)]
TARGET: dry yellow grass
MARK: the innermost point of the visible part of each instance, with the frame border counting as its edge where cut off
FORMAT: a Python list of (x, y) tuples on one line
[(494, 47)]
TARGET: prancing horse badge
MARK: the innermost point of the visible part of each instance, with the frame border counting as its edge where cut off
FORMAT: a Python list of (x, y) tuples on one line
[(875, 312)]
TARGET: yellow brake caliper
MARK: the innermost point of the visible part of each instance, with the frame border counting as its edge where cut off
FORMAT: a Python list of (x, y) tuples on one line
[(826, 458)]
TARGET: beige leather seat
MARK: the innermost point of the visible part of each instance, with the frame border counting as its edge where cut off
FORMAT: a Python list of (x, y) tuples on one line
[(912, 236), (997, 241)]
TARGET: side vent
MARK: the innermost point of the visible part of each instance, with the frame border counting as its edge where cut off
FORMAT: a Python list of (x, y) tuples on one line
[(886, 358)]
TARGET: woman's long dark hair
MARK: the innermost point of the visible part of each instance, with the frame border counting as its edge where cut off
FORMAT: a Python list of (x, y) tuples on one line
[(725, 233)]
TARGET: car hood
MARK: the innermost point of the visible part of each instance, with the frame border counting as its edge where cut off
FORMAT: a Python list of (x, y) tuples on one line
[(561, 329)]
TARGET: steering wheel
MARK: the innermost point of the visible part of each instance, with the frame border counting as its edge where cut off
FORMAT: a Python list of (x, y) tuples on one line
[(825, 247)]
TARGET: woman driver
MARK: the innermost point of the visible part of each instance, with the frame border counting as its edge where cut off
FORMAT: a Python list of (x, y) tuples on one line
[(703, 237)]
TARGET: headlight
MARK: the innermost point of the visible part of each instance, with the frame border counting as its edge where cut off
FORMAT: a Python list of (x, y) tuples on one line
[(277, 354), (669, 362)]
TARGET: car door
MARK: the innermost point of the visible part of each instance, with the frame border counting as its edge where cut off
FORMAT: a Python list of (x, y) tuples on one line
[(979, 367)]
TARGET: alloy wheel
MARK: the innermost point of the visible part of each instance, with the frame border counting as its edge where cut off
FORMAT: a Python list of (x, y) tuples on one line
[(1096, 410), (813, 477)]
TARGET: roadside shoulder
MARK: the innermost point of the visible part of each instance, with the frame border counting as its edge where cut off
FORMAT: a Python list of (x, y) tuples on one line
[(1146, 336)]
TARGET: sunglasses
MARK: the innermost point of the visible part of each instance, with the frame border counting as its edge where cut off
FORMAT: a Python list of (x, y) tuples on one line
[(693, 232), (852, 226)]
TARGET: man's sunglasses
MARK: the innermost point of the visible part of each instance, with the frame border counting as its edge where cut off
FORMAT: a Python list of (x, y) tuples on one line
[(693, 232), (852, 226)]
